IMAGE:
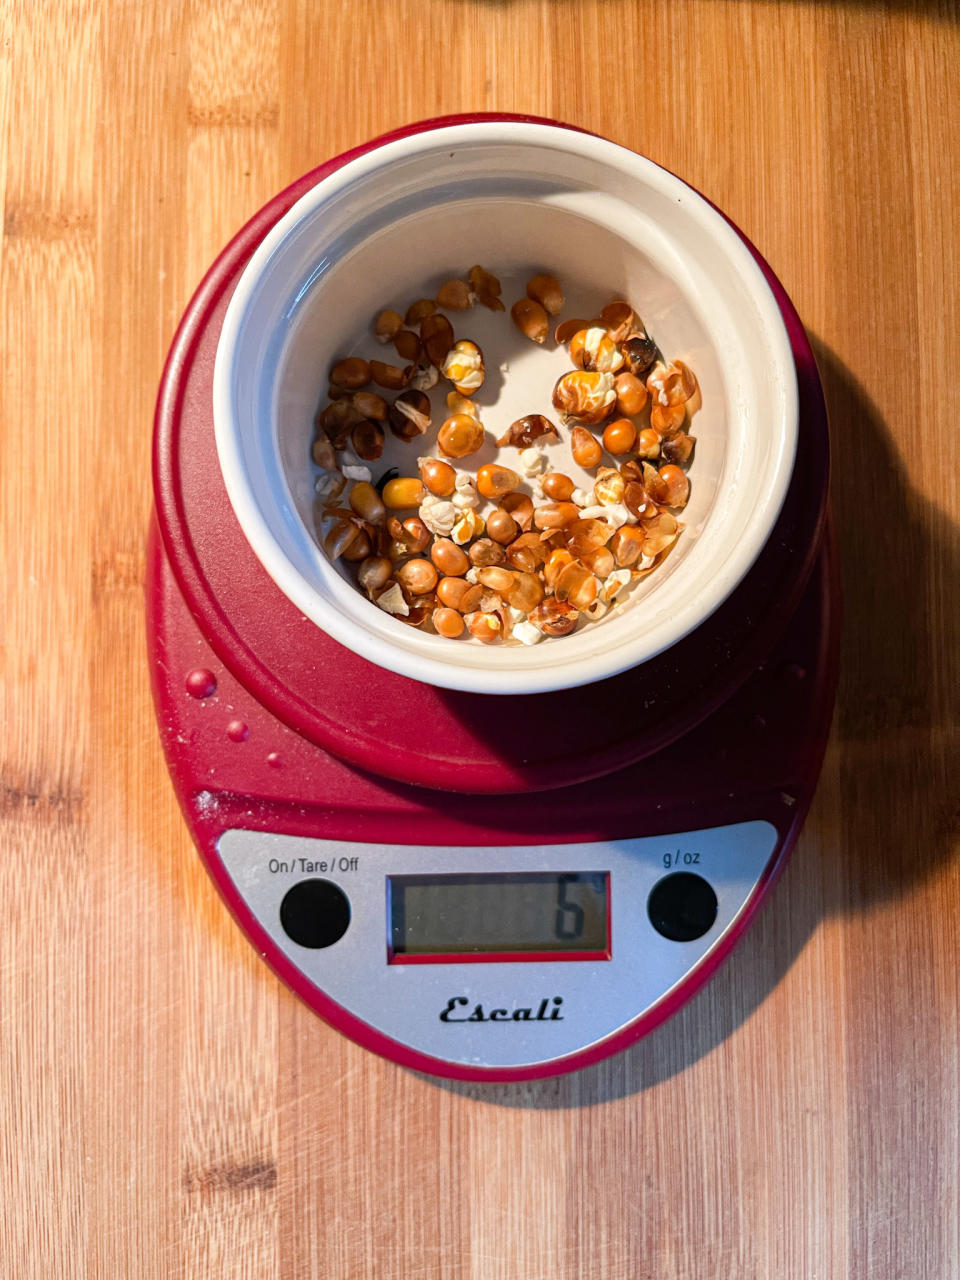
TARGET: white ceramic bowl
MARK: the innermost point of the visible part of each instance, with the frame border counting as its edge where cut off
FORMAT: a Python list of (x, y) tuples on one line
[(395, 223)]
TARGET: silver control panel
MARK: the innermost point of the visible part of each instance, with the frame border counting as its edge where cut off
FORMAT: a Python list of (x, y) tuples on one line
[(498, 956)]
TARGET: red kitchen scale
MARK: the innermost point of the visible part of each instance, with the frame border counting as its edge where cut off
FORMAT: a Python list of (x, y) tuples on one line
[(483, 888)]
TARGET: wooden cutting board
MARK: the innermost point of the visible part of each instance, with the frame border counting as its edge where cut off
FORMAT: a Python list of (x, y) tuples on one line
[(166, 1108)]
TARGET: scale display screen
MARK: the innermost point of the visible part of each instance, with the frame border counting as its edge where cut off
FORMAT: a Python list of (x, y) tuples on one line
[(550, 914)]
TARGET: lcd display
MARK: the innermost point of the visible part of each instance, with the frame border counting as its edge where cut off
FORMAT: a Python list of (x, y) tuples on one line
[(515, 912)]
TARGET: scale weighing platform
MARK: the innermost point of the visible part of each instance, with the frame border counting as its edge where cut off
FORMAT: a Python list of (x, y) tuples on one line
[(480, 887)]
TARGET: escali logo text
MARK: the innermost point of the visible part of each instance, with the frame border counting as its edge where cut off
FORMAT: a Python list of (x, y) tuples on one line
[(454, 1012)]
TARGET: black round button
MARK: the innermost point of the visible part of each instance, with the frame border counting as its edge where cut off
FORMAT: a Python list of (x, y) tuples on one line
[(682, 906), (315, 913)]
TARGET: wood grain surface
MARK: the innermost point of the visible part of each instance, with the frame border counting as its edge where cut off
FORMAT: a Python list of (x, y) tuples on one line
[(166, 1107)]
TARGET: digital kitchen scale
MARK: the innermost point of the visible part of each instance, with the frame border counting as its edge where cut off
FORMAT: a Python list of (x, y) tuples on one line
[(484, 888)]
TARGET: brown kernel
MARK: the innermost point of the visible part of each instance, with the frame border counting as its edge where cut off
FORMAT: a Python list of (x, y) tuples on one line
[(407, 345), (375, 572), (554, 617), (366, 502), (557, 486), (448, 623), (386, 325), (351, 373), (554, 515), (678, 448), (620, 436), (520, 507), (388, 375), (415, 534), (618, 319), (501, 526), (526, 592), (404, 491), (677, 486), (486, 627), (417, 576), (648, 443), (436, 333), (495, 481), (418, 311), (527, 553), (371, 405), (585, 448), (485, 552), (486, 287), (410, 415), (322, 452), (567, 328), (631, 393), (531, 319), (359, 548), (455, 295), (367, 440), (497, 579), (546, 290), (667, 420), (450, 559), (438, 476), (460, 435), (627, 545), (522, 433)]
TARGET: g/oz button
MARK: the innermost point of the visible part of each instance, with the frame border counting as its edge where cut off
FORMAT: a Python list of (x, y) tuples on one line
[(682, 906), (315, 913)]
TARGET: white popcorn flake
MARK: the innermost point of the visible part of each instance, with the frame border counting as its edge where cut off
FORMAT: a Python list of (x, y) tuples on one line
[(471, 575), (646, 562), (515, 615), (532, 462), (596, 610), (358, 473), (466, 492), (392, 601), (329, 484), (581, 498), (426, 378), (614, 583), (490, 602), (615, 513), (527, 633), (438, 515)]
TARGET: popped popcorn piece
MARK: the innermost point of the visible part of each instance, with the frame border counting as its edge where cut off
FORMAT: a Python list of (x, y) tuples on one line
[(392, 601), (359, 472), (532, 462), (614, 583), (438, 515), (466, 492), (329, 484), (596, 610), (614, 513), (490, 602), (527, 633), (471, 574), (426, 377), (581, 497), (467, 526)]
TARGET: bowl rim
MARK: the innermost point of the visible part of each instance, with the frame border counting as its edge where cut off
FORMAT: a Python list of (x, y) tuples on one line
[(557, 672)]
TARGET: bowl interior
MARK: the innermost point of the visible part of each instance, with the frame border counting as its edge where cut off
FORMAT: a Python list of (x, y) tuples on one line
[(393, 227)]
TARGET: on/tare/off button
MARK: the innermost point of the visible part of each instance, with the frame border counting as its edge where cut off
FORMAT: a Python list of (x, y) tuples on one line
[(315, 913)]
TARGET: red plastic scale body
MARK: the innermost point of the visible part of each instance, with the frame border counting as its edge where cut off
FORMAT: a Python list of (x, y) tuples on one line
[(271, 726)]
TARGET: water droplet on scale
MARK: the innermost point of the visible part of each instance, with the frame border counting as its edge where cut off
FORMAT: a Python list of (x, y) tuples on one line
[(237, 731), (201, 683)]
